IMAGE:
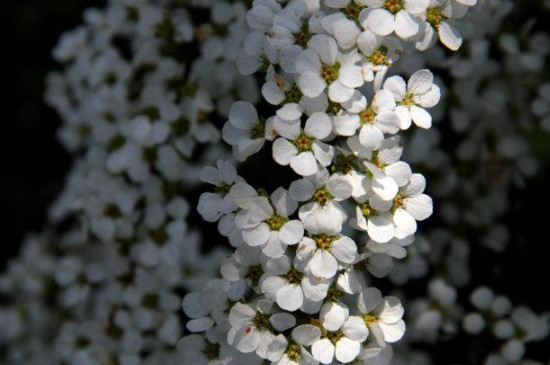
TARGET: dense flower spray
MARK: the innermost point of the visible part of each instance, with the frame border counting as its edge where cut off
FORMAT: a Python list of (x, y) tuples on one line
[(342, 93)]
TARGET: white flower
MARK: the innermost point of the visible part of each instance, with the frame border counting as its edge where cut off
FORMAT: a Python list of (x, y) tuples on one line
[(251, 328), (380, 53), (373, 121), (200, 351), (212, 206), (244, 131), (410, 205), (266, 223), (420, 92), (291, 288), (326, 247), (321, 65), (382, 316), (343, 342), (321, 192), (437, 19), (257, 54), (386, 16), (301, 149), (284, 353)]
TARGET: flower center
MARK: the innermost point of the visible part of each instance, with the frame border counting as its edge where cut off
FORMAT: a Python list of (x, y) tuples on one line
[(261, 321), (276, 222), (367, 210), (398, 202), (211, 350), (293, 276), (303, 36), (375, 160), (367, 116), (222, 190), (434, 16), (254, 274), (303, 143), (334, 294), (258, 130), (369, 319), (265, 63), (334, 337), (344, 163), (294, 95), (324, 241), (352, 11), (294, 352), (393, 6), (380, 57), (408, 100), (322, 196), (330, 73)]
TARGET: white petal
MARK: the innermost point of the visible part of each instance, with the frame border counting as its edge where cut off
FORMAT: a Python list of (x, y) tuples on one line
[(430, 98), (290, 297), (416, 186), (301, 190), (368, 300), (282, 321), (351, 76), (323, 350), (318, 125), (200, 324), (346, 124), (323, 264), (404, 116), (246, 339), (347, 350), (380, 21), (405, 25), (391, 310), (420, 82), (420, 207), (356, 329), (283, 151), (324, 153), (404, 221), (421, 117), (304, 163), (311, 84), (292, 232), (449, 36), (272, 93), (240, 315), (344, 249), (243, 115), (256, 236), (333, 315), (339, 93), (371, 137), (380, 228), (388, 122), (271, 286), (392, 332), (290, 111), (306, 334), (397, 86), (325, 46), (400, 172), (385, 187)]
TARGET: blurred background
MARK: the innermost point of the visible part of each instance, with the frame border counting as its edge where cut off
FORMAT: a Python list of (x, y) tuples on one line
[(33, 165)]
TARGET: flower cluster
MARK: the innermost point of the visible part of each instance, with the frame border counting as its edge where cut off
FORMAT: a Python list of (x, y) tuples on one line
[(348, 99), (143, 85), (301, 252)]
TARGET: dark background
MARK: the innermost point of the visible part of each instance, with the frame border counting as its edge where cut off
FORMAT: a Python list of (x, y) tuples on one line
[(33, 165)]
